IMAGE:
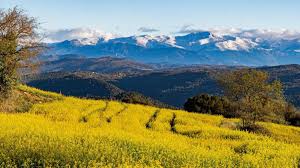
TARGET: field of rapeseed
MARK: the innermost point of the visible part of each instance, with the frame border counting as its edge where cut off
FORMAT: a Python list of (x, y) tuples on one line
[(72, 132)]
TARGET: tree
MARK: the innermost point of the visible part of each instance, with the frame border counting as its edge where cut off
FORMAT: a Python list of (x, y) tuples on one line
[(19, 46), (205, 103), (257, 98)]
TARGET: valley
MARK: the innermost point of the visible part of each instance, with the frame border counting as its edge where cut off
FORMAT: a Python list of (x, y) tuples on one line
[(170, 85)]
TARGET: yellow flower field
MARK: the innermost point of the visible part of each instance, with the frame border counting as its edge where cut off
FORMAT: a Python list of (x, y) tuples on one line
[(72, 132)]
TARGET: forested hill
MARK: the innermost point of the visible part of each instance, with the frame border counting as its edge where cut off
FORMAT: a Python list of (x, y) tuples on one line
[(171, 86)]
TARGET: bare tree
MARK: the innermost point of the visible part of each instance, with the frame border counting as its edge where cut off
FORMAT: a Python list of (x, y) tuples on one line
[(19, 46)]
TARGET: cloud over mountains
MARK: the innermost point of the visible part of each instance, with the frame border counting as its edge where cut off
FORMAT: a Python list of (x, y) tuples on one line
[(188, 28), (253, 47), (76, 33), (95, 34), (246, 33)]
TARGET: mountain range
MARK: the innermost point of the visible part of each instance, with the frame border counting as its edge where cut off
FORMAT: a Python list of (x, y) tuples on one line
[(203, 47)]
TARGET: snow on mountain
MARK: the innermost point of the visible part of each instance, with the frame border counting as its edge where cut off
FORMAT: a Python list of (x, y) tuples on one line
[(234, 46), (162, 41), (85, 41), (147, 41), (204, 41), (237, 44), (171, 41), (213, 38), (142, 41)]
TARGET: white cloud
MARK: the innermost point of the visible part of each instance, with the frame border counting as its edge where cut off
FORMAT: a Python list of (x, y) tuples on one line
[(245, 33), (259, 33), (271, 34), (189, 28), (147, 30), (78, 33)]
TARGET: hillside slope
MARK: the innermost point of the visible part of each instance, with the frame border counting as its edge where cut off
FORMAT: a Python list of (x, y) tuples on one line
[(172, 86), (102, 64), (96, 133)]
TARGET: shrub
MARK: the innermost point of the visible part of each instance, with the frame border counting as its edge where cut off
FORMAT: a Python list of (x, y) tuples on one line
[(205, 103), (137, 98), (295, 119), (292, 115)]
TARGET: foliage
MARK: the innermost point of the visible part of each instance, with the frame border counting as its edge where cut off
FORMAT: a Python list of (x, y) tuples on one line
[(295, 119), (137, 98), (292, 115), (52, 134), (204, 103), (257, 98), (18, 46)]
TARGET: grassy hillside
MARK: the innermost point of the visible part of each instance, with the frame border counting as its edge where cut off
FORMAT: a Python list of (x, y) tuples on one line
[(68, 131)]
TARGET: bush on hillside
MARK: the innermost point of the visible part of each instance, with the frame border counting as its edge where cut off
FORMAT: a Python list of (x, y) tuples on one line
[(205, 103), (292, 115), (295, 120), (137, 98)]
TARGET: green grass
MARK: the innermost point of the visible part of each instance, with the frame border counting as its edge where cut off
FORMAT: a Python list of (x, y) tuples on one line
[(72, 132)]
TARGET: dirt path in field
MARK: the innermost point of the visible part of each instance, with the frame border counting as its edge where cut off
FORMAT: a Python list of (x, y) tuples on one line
[(102, 109), (152, 119), (109, 119)]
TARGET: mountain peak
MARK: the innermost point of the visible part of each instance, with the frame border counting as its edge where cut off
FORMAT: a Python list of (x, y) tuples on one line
[(196, 36)]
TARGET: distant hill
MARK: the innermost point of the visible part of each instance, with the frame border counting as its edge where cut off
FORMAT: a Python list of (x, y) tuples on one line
[(171, 86), (289, 75), (85, 84), (71, 63), (90, 85)]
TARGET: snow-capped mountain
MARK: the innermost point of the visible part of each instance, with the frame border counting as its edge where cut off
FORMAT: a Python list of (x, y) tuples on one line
[(252, 48)]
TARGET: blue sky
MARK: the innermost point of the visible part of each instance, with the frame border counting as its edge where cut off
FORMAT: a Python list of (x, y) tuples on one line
[(168, 16)]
